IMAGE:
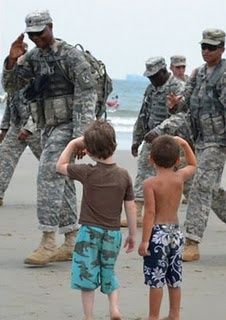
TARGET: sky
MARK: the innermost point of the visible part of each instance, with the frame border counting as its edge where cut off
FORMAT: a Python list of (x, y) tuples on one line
[(122, 33)]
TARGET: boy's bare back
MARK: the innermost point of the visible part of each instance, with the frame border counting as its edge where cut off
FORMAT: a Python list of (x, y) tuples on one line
[(163, 192)]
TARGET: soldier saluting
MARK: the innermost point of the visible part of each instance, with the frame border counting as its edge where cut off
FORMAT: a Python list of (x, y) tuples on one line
[(63, 101)]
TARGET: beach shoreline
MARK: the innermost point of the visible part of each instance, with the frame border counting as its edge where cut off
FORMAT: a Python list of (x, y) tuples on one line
[(44, 293)]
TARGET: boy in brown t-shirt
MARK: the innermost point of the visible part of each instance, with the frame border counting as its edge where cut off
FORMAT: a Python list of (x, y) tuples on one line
[(105, 188)]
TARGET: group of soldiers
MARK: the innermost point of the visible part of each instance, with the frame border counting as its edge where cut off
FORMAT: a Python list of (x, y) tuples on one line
[(62, 102), (194, 108)]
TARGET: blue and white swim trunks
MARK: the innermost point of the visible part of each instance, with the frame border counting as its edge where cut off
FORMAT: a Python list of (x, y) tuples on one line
[(164, 264)]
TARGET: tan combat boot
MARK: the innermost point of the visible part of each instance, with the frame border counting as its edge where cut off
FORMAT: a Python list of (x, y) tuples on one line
[(64, 252), (191, 250), (45, 251), (139, 207), (1, 202)]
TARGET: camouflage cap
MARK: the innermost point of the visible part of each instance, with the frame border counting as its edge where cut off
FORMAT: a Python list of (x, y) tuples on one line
[(36, 21), (178, 61), (213, 36), (153, 65)]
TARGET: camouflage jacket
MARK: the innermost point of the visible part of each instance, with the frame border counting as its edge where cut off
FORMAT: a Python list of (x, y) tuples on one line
[(154, 109), (205, 105), (74, 68)]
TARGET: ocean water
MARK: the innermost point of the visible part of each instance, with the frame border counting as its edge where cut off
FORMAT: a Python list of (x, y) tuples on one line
[(130, 95)]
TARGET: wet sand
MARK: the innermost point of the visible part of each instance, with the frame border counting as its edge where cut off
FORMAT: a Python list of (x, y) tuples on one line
[(44, 293)]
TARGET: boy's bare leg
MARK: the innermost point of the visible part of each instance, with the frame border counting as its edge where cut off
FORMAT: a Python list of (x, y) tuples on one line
[(114, 305), (174, 303), (87, 303), (155, 299)]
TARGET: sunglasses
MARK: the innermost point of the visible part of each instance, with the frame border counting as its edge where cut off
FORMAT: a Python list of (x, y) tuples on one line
[(210, 47), (35, 34)]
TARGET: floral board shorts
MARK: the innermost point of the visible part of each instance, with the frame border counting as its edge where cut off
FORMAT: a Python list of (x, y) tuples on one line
[(94, 258), (164, 264)]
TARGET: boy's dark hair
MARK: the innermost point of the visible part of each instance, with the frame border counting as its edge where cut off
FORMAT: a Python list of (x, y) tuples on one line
[(99, 139), (165, 151)]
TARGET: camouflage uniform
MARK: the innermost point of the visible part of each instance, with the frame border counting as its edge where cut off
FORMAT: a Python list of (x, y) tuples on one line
[(12, 148), (62, 112), (15, 118), (175, 62), (152, 113), (206, 116), (178, 61)]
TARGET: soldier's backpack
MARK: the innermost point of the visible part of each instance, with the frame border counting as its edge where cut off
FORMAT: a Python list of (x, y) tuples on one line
[(104, 82)]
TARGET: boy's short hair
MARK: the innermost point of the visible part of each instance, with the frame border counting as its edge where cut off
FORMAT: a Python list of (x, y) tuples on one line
[(165, 151), (100, 140)]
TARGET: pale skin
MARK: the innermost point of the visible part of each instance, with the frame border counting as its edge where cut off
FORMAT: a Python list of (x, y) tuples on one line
[(76, 147), (178, 71), (162, 195)]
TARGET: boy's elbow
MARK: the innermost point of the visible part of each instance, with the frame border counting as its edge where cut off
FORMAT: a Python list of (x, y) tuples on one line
[(60, 168)]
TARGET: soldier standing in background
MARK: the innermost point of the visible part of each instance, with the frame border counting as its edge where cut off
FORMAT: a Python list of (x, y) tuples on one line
[(205, 98), (63, 106), (178, 66), (153, 111)]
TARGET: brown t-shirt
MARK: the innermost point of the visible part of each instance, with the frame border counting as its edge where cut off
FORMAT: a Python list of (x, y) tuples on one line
[(105, 187)]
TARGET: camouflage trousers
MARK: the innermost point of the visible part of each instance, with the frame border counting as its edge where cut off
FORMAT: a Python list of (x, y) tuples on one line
[(205, 192), (144, 171), (11, 150), (56, 196)]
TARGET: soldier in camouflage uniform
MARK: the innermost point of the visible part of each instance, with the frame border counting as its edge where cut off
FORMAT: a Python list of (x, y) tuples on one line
[(63, 103), (205, 98), (153, 111), (178, 66), (17, 132)]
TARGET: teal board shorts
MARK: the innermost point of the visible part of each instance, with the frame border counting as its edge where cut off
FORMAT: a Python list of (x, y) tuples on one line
[(94, 258)]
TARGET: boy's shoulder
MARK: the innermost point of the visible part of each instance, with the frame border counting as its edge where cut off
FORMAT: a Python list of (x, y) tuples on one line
[(122, 170), (149, 182)]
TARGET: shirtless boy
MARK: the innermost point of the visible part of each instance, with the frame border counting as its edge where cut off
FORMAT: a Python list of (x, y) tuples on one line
[(162, 239)]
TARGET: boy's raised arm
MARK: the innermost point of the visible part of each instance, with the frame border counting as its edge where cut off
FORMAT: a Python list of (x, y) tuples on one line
[(74, 147), (189, 170)]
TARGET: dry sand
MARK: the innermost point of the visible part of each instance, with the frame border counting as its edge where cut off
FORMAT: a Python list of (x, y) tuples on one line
[(45, 294)]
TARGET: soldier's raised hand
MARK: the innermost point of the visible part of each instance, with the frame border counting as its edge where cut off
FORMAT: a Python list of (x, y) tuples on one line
[(172, 100), (18, 48)]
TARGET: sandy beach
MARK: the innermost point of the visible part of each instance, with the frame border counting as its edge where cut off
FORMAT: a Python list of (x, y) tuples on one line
[(44, 293)]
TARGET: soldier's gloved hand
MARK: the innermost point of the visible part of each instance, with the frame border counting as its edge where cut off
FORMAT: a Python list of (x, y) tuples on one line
[(23, 134), (134, 149), (150, 136)]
